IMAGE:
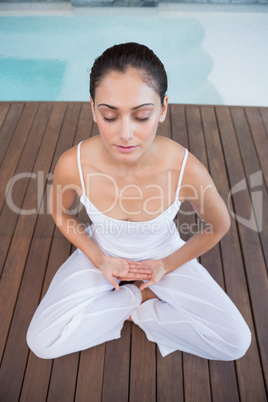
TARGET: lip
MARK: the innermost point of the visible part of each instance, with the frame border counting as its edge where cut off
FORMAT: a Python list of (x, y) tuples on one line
[(127, 149)]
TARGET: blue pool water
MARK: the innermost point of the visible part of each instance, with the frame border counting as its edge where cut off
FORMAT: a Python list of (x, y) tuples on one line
[(49, 57)]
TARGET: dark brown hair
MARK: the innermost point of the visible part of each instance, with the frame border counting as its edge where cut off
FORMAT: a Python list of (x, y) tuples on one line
[(127, 55)]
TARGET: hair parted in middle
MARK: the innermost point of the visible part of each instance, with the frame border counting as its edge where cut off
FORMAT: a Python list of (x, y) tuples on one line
[(130, 55)]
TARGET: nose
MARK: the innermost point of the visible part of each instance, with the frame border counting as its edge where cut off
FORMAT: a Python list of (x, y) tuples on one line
[(126, 130)]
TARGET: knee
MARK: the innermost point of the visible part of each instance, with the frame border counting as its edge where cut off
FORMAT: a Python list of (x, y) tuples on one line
[(38, 345), (239, 342)]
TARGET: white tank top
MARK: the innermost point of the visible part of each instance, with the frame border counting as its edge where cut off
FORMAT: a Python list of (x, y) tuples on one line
[(152, 239)]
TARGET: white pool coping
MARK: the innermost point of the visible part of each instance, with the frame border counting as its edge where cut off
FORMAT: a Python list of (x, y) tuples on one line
[(172, 9)]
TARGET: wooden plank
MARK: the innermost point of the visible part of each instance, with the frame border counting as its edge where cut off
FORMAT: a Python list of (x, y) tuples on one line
[(25, 306), (222, 375), (16, 146), (38, 371), (195, 368), (33, 198), (9, 285), (116, 368), (35, 384), (85, 124), (178, 125), (26, 165), (63, 379), (223, 381), (8, 169), (4, 107), (251, 386), (14, 266), (196, 379), (68, 130), (249, 371), (260, 138), (251, 237), (8, 127), (264, 115), (39, 252), (195, 133), (143, 368), (169, 377), (16, 351), (248, 368), (254, 168), (90, 374)]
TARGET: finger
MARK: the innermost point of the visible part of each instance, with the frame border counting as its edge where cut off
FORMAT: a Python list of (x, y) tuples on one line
[(146, 285), (138, 264), (140, 270), (138, 275), (112, 280), (134, 277), (135, 273)]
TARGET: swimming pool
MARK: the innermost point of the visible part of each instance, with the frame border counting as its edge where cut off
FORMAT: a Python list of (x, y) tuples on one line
[(212, 55)]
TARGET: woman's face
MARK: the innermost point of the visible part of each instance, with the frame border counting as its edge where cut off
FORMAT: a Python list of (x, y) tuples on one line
[(127, 112)]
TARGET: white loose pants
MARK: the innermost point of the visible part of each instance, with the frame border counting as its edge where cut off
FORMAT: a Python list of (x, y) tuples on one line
[(81, 309)]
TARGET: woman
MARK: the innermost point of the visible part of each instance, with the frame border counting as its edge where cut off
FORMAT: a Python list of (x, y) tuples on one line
[(132, 184)]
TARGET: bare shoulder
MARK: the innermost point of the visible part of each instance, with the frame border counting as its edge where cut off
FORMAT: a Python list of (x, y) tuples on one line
[(67, 172), (196, 178), (173, 153), (195, 171), (66, 168), (68, 160), (170, 151)]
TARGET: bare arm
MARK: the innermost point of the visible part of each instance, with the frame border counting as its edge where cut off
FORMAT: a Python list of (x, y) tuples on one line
[(62, 196), (209, 205)]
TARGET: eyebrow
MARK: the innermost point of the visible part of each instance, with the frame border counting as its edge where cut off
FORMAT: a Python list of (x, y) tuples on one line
[(134, 108)]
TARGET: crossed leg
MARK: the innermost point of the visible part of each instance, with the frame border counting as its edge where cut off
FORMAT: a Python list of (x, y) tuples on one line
[(193, 314), (81, 309), (186, 310)]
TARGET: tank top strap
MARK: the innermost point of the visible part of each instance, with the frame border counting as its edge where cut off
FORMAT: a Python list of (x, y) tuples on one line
[(181, 172), (80, 167)]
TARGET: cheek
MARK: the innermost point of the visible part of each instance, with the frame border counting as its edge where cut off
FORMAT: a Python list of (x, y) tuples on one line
[(152, 127), (105, 131)]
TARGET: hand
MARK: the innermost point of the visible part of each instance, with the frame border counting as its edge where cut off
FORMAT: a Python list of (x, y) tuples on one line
[(158, 271), (123, 270)]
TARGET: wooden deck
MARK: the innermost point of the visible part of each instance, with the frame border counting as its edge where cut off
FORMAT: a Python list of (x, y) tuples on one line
[(232, 143)]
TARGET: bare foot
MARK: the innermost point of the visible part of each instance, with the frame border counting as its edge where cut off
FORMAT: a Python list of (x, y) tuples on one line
[(147, 294)]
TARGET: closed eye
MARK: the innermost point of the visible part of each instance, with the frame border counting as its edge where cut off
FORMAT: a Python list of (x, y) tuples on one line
[(109, 120), (142, 120)]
